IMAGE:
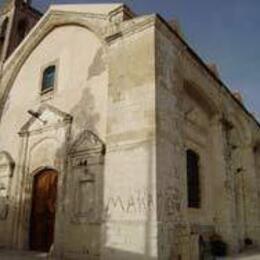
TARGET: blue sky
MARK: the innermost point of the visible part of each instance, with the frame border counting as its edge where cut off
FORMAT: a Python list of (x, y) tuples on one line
[(225, 32)]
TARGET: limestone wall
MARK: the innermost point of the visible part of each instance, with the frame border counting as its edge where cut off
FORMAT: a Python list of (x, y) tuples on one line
[(98, 126), (130, 184), (173, 231), (195, 111), (80, 91)]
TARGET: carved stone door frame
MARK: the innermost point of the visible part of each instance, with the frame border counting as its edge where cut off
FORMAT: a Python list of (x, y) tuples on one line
[(30, 137), (43, 210)]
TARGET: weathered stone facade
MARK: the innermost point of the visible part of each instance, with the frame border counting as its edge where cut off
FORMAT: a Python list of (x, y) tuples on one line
[(17, 18), (130, 97)]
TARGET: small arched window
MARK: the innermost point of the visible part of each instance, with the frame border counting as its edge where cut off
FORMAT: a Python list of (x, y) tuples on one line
[(193, 179), (48, 79)]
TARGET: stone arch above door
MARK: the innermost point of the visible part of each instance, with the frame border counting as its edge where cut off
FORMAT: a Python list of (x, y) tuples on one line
[(42, 143), (47, 116), (47, 134)]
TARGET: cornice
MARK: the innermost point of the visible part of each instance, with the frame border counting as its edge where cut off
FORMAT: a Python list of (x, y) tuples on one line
[(128, 28), (179, 42)]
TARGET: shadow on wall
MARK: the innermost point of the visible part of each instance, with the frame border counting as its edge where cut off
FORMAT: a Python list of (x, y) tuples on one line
[(79, 229), (84, 218), (3, 208), (169, 164), (84, 115)]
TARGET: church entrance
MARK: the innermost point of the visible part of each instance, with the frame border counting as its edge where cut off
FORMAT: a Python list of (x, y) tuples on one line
[(43, 210)]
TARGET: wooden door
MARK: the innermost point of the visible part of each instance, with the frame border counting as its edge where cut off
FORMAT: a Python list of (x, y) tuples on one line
[(43, 210)]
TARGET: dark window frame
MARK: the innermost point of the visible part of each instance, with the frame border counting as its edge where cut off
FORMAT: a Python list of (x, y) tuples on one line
[(193, 179), (49, 71)]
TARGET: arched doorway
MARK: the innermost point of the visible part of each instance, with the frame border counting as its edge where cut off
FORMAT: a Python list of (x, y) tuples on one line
[(43, 210)]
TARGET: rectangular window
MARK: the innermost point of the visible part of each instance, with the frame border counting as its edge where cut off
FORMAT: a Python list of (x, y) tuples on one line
[(48, 79), (193, 182)]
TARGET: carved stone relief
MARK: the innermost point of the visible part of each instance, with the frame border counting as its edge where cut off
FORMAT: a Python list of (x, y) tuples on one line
[(85, 194), (6, 172), (86, 173)]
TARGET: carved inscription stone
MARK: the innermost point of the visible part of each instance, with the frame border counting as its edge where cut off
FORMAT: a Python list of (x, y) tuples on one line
[(85, 197), (86, 157)]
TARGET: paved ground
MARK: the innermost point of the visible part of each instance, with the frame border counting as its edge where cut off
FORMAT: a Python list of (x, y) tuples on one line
[(22, 255), (247, 256), (17, 255)]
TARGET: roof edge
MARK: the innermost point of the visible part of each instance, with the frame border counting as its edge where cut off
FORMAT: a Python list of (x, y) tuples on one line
[(201, 62)]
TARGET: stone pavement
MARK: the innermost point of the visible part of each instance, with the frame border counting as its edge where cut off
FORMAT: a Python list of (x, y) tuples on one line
[(29, 255), (250, 255), (23, 255)]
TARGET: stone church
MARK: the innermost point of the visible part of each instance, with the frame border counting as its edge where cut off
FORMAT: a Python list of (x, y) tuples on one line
[(117, 141)]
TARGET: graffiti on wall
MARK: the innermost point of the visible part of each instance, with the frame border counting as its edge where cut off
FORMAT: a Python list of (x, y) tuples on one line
[(166, 202)]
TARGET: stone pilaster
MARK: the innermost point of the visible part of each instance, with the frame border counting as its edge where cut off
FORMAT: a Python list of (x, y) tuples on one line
[(250, 194), (223, 187)]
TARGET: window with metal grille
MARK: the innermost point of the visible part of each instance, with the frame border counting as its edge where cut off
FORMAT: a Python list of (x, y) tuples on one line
[(193, 181), (48, 79)]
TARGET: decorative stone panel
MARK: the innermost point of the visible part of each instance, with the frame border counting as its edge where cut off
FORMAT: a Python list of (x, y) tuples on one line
[(86, 175), (6, 172)]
